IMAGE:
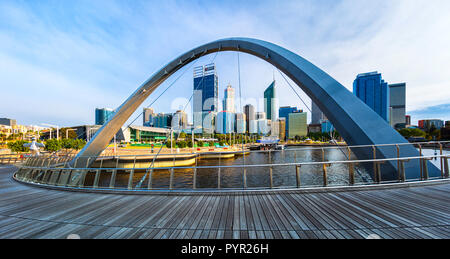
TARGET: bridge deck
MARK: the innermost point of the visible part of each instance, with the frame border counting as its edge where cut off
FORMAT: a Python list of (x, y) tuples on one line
[(415, 212)]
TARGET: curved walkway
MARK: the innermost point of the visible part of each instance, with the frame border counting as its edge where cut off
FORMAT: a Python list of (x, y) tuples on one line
[(413, 212)]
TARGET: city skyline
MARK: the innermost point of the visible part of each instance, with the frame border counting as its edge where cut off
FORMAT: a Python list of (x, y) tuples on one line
[(81, 64)]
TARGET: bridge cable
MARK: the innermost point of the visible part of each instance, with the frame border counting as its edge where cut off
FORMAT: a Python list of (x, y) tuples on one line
[(345, 154), (154, 158)]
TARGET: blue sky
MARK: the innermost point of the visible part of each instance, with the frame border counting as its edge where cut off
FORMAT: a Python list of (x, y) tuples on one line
[(59, 60)]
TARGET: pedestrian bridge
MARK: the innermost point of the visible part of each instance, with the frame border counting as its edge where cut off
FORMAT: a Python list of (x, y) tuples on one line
[(401, 211)]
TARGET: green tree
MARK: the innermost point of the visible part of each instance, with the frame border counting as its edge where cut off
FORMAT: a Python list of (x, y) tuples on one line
[(78, 144), (53, 145), (182, 135), (182, 144), (17, 146)]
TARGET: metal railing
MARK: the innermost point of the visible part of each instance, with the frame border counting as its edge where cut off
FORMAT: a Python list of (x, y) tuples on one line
[(276, 174)]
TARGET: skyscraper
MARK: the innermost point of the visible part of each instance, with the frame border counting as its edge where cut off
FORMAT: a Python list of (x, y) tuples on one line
[(229, 100), (148, 114), (397, 97), (284, 113), (297, 124), (205, 96), (408, 119), (102, 115), (241, 123), (270, 102), (373, 91), (249, 111), (179, 120), (225, 122), (162, 120)]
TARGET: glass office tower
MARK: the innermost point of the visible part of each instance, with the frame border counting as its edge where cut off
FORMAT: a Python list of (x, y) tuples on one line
[(102, 115), (284, 113), (205, 97), (270, 102), (373, 91), (397, 93)]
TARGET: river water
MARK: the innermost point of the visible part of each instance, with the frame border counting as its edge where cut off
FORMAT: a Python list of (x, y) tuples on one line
[(256, 177)]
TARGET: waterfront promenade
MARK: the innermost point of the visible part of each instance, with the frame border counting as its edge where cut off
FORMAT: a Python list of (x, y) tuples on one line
[(405, 211)]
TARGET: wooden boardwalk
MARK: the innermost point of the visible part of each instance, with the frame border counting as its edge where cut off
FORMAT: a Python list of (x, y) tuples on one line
[(415, 212)]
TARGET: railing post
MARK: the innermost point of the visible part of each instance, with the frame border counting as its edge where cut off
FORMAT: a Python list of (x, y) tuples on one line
[(112, 182), (150, 179), (271, 177), (297, 173), (171, 178), (194, 180), (446, 169), (421, 162), (374, 150), (441, 160), (351, 174), (398, 157), (425, 167), (402, 170), (378, 171), (97, 178), (325, 177), (130, 178)]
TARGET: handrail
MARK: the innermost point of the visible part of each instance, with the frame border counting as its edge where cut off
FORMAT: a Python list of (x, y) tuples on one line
[(254, 165), (51, 170)]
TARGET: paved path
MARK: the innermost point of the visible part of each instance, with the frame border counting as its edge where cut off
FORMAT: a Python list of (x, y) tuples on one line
[(414, 212)]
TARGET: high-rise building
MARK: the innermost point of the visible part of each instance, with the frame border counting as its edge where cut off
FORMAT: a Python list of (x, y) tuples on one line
[(263, 127), (229, 99), (8, 122), (179, 120), (253, 128), (317, 116), (250, 115), (373, 91), (102, 115), (275, 128), (270, 102), (162, 120), (148, 114), (397, 98), (327, 127), (408, 119), (284, 113), (297, 124), (261, 116), (241, 126), (282, 128), (205, 96), (225, 122)]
